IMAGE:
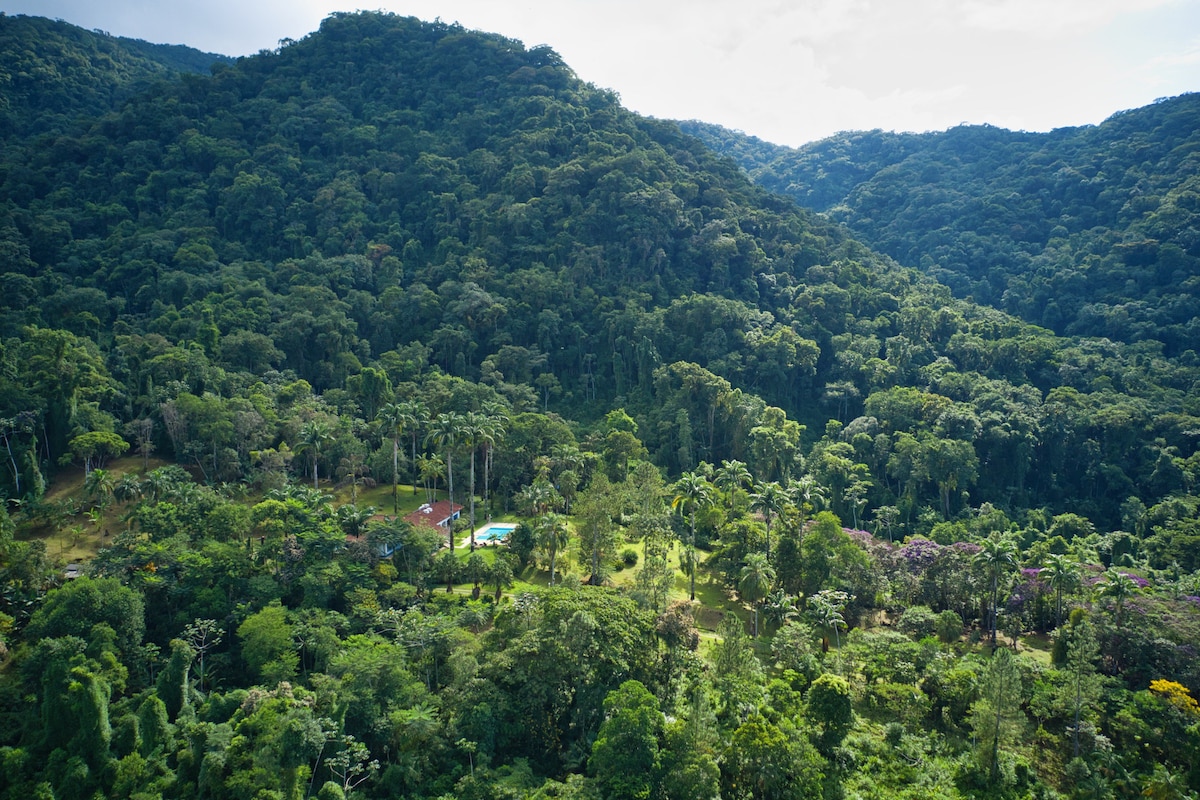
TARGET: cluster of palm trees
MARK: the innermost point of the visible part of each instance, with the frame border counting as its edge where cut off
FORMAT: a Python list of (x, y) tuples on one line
[(450, 433), (103, 487), (540, 500), (772, 499), (998, 559)]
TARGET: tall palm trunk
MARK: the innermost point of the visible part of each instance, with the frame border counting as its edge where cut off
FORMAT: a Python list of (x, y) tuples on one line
[(396, 476), (692, 556), (487, 463), (450, 492), (472, 499), (414, 463)]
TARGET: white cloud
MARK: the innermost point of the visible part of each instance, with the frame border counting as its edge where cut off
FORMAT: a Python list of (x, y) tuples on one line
[(1049, 18), (786, 70)]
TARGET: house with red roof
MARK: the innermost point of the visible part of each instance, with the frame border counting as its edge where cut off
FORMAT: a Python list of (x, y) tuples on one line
[(435, 515)]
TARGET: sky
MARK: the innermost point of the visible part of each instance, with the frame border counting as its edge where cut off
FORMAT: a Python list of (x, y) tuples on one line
[(787, 71)]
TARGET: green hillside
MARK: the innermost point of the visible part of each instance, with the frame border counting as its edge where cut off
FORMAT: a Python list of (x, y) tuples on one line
[(789, 519), (52, 72), (1086, 231)]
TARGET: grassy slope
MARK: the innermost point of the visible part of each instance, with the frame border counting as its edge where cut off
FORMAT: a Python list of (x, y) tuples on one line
[(78, 538)]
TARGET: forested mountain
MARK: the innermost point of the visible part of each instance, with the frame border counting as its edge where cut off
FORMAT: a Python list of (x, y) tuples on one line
[(52, 72), (1088, 231), (235, 306)]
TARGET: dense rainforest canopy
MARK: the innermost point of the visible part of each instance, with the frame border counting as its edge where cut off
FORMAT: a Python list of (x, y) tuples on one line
[(242, 302), (1088, 231)]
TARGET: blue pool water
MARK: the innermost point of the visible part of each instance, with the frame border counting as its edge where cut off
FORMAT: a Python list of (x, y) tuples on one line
[(494, 532)]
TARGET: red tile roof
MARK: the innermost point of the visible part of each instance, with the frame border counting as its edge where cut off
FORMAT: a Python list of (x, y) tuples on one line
[(435, 515)]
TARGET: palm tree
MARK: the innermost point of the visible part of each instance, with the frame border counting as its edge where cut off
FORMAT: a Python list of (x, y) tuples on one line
[(807, 494), (538, 497), (500, 574), (159, 482), (771, 500), (313, 436), (352, 519), (1119, 587), (552, 536), (885, 517), (856, 497), (779, 607), (827, 606), (755, 581), (447, 433), (731, 476), (473, 426), (128, 488), (998, 555), (99, 484), (1063, 575), (430, 468), (412, 417), (497, 416), (692, 491), (390, 421)]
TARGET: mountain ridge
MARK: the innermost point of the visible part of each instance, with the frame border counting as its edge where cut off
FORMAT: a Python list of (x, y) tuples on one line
[(413, 197), (1046, 226), (74, 72)]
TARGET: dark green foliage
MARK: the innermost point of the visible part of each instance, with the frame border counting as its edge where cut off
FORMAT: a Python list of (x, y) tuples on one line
[(384, 251), (828, 705), (625, 756), (56, 72), (554, 657), (75, 608), (764, 761), (174, 686), (1081, 230)]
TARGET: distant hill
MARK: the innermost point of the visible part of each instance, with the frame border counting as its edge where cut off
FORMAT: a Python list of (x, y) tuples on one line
[(406, 200), (400, 251), (1088, 231), (51, 70)]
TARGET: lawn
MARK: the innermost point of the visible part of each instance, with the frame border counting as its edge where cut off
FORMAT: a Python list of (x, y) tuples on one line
[(82, 529)]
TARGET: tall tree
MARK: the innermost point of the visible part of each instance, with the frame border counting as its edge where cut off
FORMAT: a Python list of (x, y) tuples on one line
[(314, 434), (552, 536), (996, 558), (1083, 686), (413, 416), (807, 495), (996, 714), (490, 435), (692, 492), (770, 500), (596, 509), (755, 581), (474, 424), (391, 422), (1062, 573), (446, 433), (731, 476), (1120, 587), (827, 606), (625, 756)]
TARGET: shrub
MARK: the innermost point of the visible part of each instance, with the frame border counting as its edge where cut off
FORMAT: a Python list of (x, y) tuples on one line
[(918, 622), (949, 626)]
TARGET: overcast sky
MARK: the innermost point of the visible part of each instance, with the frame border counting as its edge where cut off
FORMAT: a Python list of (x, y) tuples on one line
[(788, 71)]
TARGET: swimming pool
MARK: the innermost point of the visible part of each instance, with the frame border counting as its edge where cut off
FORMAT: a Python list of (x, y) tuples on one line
[(496, 532)]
